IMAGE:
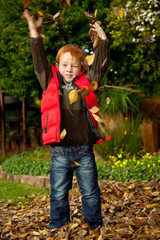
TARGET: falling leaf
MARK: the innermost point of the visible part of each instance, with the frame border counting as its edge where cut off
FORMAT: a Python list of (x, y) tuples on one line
[(118, 12), (27, 3), (63, 134), (95, 13), (93, 85), (121, 13), (76, 163), (94, 109), (83, 91), (97, 118), (89, 16), (108, 100), (105, 60), (73, 96), (90, 59), (66, 3), (112, 125)]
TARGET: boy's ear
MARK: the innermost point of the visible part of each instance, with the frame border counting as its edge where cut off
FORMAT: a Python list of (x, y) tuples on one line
[(57, 65)]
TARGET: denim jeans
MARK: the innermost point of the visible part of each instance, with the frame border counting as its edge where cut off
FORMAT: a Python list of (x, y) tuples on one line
[(63, 163)]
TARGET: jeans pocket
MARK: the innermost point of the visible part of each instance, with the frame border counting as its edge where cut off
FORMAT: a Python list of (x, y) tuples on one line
[(86, 150), (57, 151)]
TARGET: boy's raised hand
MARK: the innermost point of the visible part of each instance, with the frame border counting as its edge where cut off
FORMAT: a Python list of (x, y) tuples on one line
[(97, 28), (31, 24)]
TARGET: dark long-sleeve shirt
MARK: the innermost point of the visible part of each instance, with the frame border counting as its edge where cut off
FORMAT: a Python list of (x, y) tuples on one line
[(73, 117)]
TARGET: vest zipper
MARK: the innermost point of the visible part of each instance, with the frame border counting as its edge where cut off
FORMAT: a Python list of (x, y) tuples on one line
[(45, 128)]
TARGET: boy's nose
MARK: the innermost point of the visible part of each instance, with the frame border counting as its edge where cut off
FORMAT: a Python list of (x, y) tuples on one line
[(69, 68)]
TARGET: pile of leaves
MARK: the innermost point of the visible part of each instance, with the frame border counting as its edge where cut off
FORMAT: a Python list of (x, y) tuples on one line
[(130, 211)]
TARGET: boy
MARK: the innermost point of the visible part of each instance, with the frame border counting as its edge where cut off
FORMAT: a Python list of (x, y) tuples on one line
[(75, 151)]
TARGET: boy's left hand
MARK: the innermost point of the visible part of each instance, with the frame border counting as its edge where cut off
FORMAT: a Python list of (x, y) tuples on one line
[(97, 28)]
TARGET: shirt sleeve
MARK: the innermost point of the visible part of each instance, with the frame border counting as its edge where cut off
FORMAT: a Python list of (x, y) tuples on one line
[(101, 62), (42, 68)]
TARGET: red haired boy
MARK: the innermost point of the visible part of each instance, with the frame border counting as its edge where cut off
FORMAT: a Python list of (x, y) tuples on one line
[(75, 151)]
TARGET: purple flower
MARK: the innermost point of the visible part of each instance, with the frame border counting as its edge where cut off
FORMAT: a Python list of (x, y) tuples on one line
[(158, 12), (125, 12), (133, 22)]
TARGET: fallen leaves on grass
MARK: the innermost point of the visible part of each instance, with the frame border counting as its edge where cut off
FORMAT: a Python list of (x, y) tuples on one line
[(130, 211)]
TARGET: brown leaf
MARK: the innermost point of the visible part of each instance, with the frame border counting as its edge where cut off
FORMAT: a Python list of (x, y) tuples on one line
[(93, 85), (118, 12), (108, 100), (105, 60), (66, 3), (27, 3), (89, 16), (83, 91)]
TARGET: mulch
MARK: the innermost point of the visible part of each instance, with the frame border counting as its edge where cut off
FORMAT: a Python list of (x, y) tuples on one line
[(130, 210)]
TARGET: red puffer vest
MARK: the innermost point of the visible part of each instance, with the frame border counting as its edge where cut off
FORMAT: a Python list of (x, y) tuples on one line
[(51, 114)]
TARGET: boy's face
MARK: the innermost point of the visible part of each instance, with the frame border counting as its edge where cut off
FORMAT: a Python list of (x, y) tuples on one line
[(69, 67)]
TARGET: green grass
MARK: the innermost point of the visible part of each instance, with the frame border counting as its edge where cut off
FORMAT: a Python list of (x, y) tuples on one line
[(18, 192)]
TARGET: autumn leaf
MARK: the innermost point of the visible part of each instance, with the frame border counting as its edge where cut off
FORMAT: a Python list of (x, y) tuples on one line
[(66, 3), (105, 60), (94, 109), (83, 91), (89, 16), (63, 134), (90, 59), (93, 85), (97, 118), (73, 96), (76, 163), (108, 100), (27, 3), (112, 125), (118, 12)]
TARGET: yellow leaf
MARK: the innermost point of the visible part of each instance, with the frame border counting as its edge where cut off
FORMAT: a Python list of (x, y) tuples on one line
[(100, 237), (8, 224), (93, 85), (40, 13), (35, 233), (97, 118), (153, 205), (76, 163), (75, 225), (63, 134), (121, 13), (90, 59), (94, 109), (73, 96)]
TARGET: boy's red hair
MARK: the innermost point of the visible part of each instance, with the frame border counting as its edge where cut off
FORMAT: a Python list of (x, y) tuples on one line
[(76, 52)]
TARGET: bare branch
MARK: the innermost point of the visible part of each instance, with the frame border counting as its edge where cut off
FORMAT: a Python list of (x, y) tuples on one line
[(122, 88)]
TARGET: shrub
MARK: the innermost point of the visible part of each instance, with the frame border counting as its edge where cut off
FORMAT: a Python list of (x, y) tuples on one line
[(35, 163), (125, 169)]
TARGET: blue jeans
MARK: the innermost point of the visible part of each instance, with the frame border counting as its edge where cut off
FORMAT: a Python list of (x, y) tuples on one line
[(64, 163)]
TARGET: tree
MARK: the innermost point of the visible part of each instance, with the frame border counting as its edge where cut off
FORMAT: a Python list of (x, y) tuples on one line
[(16, 66), (135, 54)]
